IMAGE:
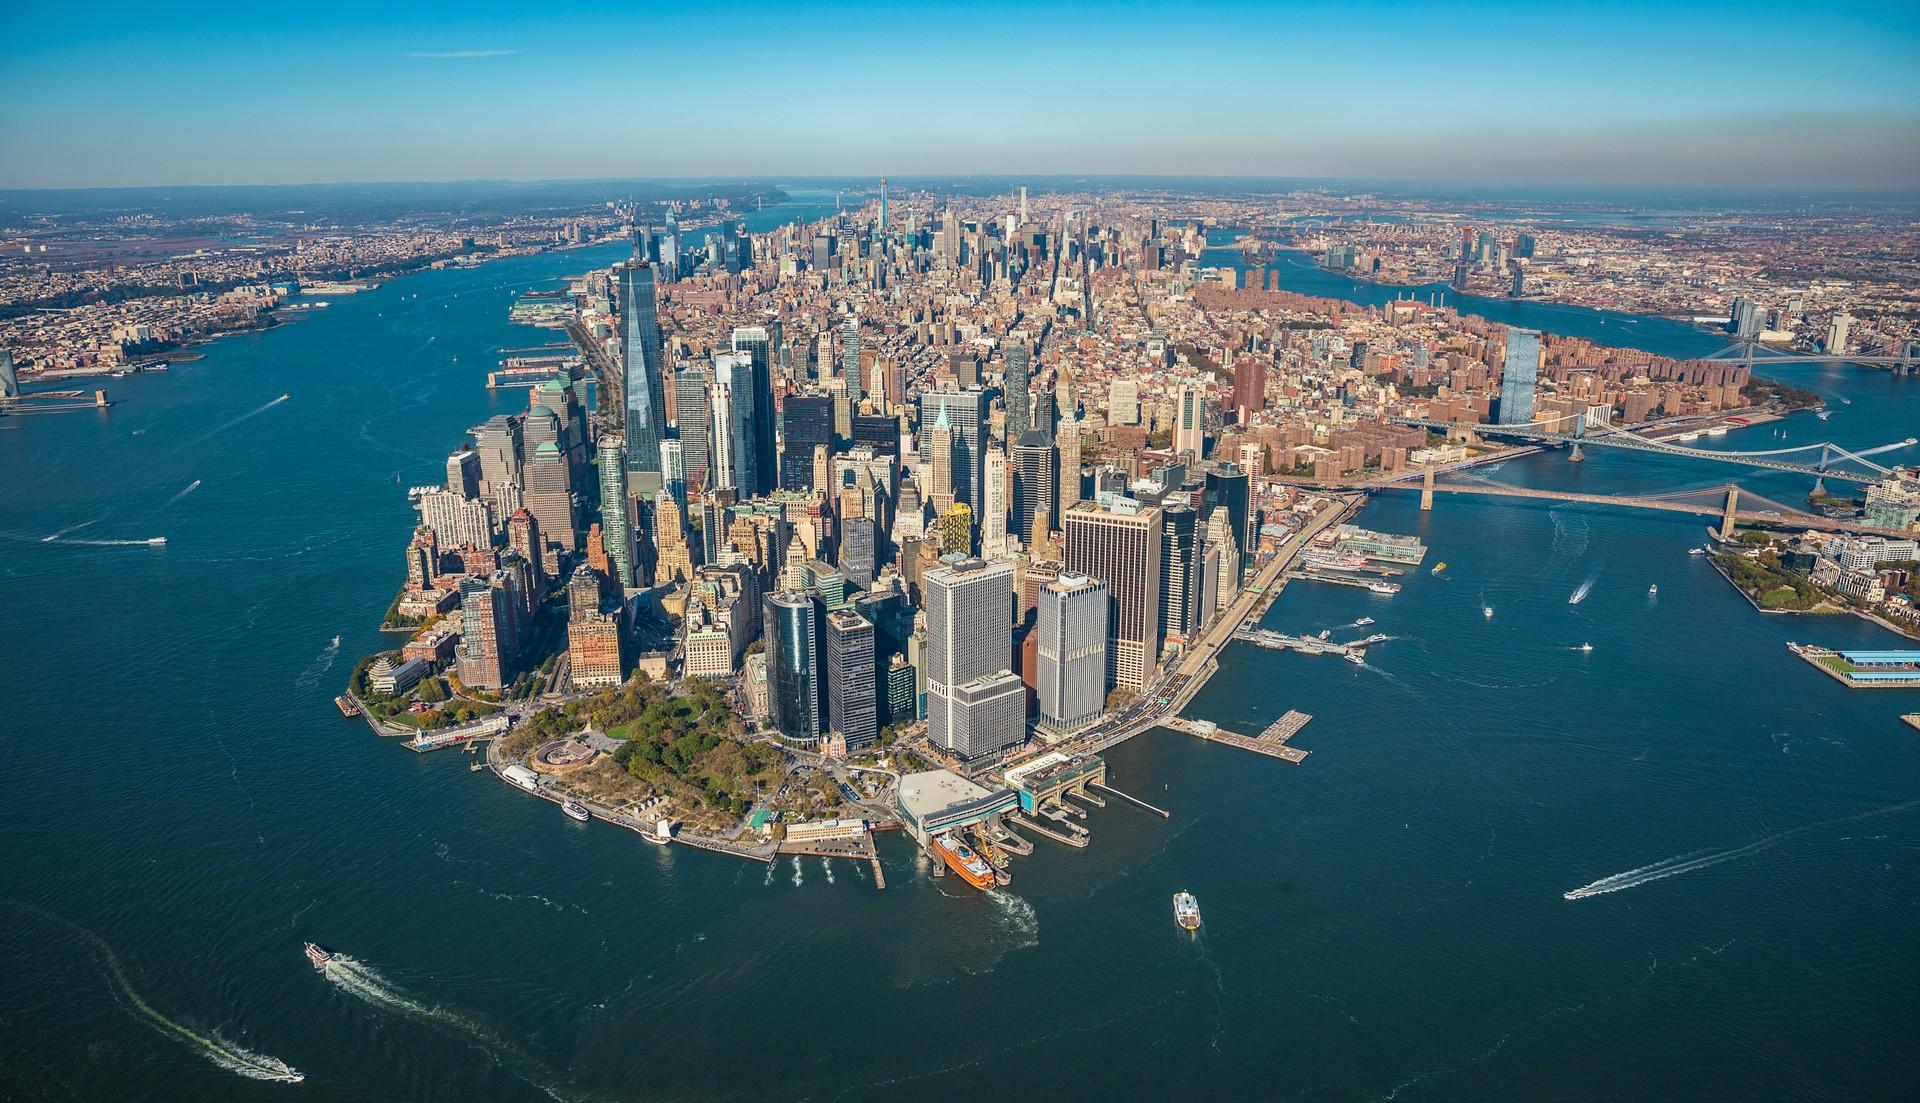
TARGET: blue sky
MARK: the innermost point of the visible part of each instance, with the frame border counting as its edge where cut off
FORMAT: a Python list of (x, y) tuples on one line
[(1704, 94)]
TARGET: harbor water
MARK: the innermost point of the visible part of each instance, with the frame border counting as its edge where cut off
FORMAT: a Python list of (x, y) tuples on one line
[(1386, 921)]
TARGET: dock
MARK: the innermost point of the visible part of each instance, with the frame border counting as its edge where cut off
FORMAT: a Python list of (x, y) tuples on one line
[(1048, 832), (1863, 669), (1340, 580), (1913, 720), (1271, 742), (1131, 799)]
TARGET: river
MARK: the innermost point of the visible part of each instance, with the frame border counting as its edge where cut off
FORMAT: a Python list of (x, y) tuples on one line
[(1385, 921)]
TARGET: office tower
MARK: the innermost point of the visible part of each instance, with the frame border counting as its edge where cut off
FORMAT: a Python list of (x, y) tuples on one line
[(758, 346), (458, 521), (616, 524), (722, 474), (1123, 402), (940, 453), (9, 380), (956, 530), (593, 637), (734, 371), (1517, 375), (1023, 204), (1019, 398), (1837, 334), (902, 698), (525, 539), (642, 376), (790, 621), (967, 413), (1120, 546), (1181, 581), (806, 424), (693, 412), (1228, 486), (463, 473), (850, 355), (976, 706), (859, 549), (673, 470), (1190, 419), (1249, 387), (483, 654), (549, 495), (1067, 466), (1072, 653), (880, 432), (993, 505), (1034, 493), (1519, 287), (853, 694), (498, 445), (1523, 245)]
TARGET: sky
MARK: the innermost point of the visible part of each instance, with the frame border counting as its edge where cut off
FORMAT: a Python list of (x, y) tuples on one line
[(1753, 95)]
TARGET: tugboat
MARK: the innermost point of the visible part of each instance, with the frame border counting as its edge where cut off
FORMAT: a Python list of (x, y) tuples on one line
[(319, 955), (1186, 911), (577, 810)]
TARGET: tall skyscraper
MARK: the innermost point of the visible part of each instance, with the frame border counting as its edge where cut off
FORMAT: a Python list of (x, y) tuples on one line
[(1517, 375), (1019, 398), (549, 496), (484, 653), (1180, 573), (756, 344), (850, 355), (993, 504), (1223, 552), (498, 444), (735, 370), (616, 524), (1072, 653), (976, 705), (853, 694), (1249, 387), (1067, 468), (1034, 493), (1228, 486), (9, 381), (722, 472), (806, 423), (673, 471), (693, 413), (1120, 546), (1190, 419), (967, 413), (642, 378), (793, 665)]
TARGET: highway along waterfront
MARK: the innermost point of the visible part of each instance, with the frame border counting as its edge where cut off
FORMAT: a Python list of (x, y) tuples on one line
[(1388, 921)]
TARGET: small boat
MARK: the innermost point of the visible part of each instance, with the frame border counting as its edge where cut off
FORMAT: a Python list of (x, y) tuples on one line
[(1696, 551), (1653, 590), (1823, 414), (156, 542), (319, 955), (577, 810), (1363, 622), (1486, 611), (1356, 658), (1586, 647), (1325, 632), (1438, 567), (336, 641), (1186, 911)]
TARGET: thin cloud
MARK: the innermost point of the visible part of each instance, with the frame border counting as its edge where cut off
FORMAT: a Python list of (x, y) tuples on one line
[(445, 55)]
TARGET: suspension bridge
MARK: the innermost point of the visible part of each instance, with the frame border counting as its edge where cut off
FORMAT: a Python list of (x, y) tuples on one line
[(1750, 353), (1731, 504)]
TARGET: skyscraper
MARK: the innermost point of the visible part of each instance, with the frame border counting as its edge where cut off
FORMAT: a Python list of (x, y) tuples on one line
[(1190, 419), (1249, 387), (1181, 579), (735, 370), (616, 525), (1072, 675), (793, 665), (9, 382), (806, 423), (1067, 468), (850, 355), (976, 705), (1019, 398), (1120, 546), (853, 695), (693, 413), (549, 496), (642, 374), (1228, 486), (498, 444), (673, 470), (757, 345), (722, 473), (1034, 492), (1517, 375), (993, 504), (484, 654), (966, 412)]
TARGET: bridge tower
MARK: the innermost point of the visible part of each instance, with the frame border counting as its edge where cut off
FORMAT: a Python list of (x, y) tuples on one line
[(1730, 512), (1579, 431), (1426, 489)]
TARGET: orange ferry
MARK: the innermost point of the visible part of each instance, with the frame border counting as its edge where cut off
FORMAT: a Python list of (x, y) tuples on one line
[(962, 860)]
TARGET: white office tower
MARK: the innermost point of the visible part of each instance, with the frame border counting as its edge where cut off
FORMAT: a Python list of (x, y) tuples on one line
[(1072, 674), (976, 705), (1190, 420), (993, 505)]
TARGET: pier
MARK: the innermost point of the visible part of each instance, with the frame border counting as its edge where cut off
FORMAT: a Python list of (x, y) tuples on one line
[(1133, 800), (1271, 742), (1048, 832), (1342, 580)]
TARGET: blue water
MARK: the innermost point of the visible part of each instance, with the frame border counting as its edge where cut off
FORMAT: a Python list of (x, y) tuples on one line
[(1384, 921)]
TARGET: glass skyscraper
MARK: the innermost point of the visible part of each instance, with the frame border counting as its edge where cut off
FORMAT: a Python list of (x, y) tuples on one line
[(643, 381), (1019, 401), (793, 665), (754, 341), (1517, 376)]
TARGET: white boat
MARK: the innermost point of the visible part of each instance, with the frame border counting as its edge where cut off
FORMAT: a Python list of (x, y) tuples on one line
[(1186, 911), (1717, 431), (1687, 436), (1586, 647), (576, 810), (1486, 611), (1362, 622), (156, 541), (1356, 658), (1696, 551), (1652, 590), (1379, 587)]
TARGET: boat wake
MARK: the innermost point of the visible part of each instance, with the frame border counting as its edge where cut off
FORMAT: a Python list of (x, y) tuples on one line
[(225, 425), (50, 538), (1580, 594), (827, 866), (190, 488), (234, 1058), (1701, 859), (322, 663)]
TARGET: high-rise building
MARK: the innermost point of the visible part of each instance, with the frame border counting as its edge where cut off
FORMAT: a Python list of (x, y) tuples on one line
[(1072, 654), (853, 694), (1837, 334), (1120, 546), (758, 346), (967, 413), (1017, 383), (791, 622), (616, 521), (806, 423), (1517, 375), (593, 637), (956, 530), (549, 495), (733, 390), (976, 706), (457, 521), (1190, 419), (850, 354), (1067, 466), (859, 549), (1227, 485), (1181, 581), (484, 654), (642, 374), (1034, 493), (673, 470), (1249, 387), (993, 504), (498, 444), (693, 413), (463, 473), (9, 380), (1222, 552)]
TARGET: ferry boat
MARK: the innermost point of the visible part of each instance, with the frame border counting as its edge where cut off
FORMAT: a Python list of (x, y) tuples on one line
[(1696, 551), (1186, 911), (1363, 622), (1380, 587), (962, 860), (1717, 431), (319, 956), (1356, 658), (577, 810)]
